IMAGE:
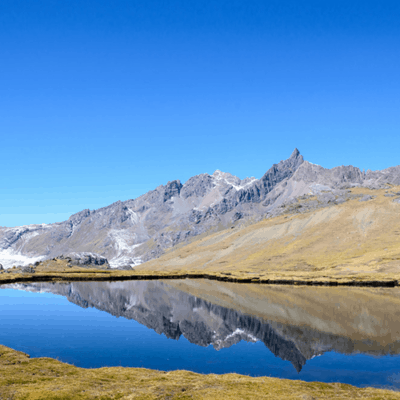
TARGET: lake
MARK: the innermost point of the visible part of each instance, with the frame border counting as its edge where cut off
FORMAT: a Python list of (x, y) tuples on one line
[(344, 335)]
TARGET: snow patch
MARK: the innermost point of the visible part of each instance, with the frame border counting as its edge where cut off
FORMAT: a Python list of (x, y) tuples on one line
[(13, 235), (125, 260), (251, 180), (134, 217), (238, 332), (9, 258), (316, 355), (32, 226), (26, 288), (231, 180), (121, 239), (241, 332), (125, 250)]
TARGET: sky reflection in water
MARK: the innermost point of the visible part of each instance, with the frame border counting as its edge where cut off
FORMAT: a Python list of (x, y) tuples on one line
[(45, 324)]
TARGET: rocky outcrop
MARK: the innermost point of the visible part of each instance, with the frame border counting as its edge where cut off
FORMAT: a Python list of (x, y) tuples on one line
[(366, 197), (30, 269), (124, 268), (85, 259), (378, 179), (197, 186), (77, 218), (172, 189), (278, 173)]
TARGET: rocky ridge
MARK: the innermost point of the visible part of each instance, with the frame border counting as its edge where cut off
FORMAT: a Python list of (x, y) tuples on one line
[(134, 231)]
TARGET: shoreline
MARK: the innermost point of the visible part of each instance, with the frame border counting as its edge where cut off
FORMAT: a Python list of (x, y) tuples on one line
[(109, 275)]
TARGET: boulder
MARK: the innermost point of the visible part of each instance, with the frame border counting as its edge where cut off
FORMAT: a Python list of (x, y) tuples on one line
[(124, 268), (326, 198), (366, 197), (1, 268), (28, 270), (236, 217)]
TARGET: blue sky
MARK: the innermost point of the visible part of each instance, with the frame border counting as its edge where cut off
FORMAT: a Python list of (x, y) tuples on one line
[(104, 100)]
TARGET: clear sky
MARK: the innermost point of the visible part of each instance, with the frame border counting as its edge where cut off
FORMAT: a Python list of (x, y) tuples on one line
[(104, 100)]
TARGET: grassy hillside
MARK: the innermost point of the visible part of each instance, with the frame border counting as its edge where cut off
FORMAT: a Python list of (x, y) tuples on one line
[(355, 239)]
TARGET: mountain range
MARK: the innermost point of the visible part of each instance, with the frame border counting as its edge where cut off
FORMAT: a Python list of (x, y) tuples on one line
[(131, 232)]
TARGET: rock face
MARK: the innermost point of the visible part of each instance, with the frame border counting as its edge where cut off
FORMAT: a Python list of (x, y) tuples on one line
[(22, 270), (176, 313), (366, 198), (86, 259), (134, 231), (27, 270)]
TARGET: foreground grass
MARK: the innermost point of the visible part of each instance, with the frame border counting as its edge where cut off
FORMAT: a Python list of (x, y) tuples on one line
[(46, 378)]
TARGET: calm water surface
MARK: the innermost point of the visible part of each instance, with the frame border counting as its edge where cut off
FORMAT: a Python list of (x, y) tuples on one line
[(330, 335)]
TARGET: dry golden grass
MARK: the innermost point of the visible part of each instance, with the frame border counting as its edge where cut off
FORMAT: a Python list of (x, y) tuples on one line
[(46, 378), (355, 240)]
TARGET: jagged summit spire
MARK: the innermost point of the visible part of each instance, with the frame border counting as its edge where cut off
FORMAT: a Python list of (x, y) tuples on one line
[(295, 153)]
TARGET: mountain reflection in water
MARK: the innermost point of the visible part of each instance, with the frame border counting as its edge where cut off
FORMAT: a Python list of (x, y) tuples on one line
[(295, 324)]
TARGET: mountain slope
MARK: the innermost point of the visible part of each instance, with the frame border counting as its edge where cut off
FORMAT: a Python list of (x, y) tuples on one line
[(339, 240), (135, 231)]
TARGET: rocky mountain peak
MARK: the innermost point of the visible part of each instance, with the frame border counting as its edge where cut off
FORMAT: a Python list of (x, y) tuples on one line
[(226, 178), (295, 154), (79, 216), (135, 231), (172, 189), (198, 186)]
